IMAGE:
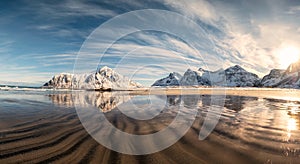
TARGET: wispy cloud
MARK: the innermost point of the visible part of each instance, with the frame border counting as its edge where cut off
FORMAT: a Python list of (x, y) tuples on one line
[(24, 77), (248, 33), (195, 9), (293, 9), (251, 33), (63, 15), (5, 46), (69, 8)]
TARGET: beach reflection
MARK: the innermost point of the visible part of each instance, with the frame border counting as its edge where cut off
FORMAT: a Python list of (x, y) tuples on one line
[(104, 101), (250, 129), (262, 122)]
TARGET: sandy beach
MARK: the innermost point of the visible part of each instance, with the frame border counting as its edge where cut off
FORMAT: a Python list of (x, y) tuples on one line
[(50, 131), (290, 94)]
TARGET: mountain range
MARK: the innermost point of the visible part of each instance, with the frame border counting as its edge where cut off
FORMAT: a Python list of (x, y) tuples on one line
[(235, 76)]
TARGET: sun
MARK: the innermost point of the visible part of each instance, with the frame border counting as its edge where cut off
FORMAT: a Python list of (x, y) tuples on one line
[(287, 55)]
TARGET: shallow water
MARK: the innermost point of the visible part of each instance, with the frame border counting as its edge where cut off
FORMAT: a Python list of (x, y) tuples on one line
[(43, 126)]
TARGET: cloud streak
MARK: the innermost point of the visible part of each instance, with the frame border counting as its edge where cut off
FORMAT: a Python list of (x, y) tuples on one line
[(245, 33)]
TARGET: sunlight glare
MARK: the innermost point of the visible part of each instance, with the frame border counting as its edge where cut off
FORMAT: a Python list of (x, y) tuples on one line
[(287, 55), (292, 124)]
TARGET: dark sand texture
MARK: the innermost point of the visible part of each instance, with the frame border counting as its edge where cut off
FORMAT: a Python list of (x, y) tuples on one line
[(33, 131)]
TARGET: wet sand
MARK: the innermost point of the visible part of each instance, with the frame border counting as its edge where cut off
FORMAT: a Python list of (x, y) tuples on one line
[(62, 139), (39, 132), (290, 94)]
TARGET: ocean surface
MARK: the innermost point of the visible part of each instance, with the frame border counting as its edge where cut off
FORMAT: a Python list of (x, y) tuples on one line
[(39, 125)]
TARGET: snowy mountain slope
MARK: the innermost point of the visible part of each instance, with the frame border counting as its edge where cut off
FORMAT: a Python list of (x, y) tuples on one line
[(172, 80), (272, 78), (191, 77), (63, 80), (234, 76), (216, 78), (289, 78), (104, 79)]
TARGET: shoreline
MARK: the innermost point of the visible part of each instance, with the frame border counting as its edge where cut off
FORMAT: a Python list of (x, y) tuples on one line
[(277, 93)]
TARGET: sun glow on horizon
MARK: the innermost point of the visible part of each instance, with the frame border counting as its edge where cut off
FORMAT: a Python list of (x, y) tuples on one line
[(288, 55)]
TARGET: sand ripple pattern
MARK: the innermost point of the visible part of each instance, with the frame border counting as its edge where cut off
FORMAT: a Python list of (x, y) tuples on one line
[(251, 130)]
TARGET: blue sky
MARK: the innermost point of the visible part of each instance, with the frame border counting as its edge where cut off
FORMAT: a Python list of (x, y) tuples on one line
[(41, 38)]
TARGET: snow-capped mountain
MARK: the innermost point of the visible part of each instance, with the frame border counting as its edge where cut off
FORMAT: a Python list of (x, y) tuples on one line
[(63, 80), (216, 78), (234, 76), (289, 78), (237, 76), (272, 78), (104, 79), (171, 80), (191, 77)]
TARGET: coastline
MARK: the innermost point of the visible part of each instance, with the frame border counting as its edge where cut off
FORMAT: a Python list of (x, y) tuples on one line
[(289, 94)]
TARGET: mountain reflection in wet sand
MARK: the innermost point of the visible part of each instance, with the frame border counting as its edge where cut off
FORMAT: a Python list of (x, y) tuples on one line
[(46, 128)]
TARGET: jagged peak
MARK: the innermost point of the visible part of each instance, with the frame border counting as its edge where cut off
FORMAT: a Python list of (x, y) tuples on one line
[(189, 70), (105, 69), (175, 74), (64, 73), (236, 68), (202, 70), (276, 70)]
